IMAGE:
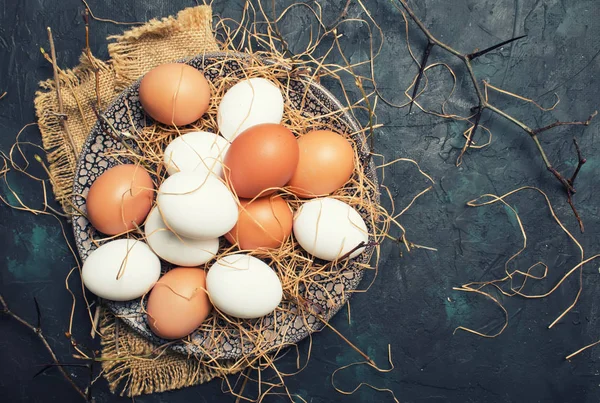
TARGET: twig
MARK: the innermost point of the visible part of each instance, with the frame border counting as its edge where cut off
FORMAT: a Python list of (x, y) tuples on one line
[(421, 72), (38, 332), (39, 314), (571, 180), (471, 135), (580, 161), (48, 366), (346, 255), (341, 16), (107, 19), (61, 111), (88, 53), (559, 123), (358, 350), (484, 51), (485, 104), (284, 44)]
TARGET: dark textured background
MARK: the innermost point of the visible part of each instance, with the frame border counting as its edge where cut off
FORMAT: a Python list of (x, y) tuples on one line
[(411, 305)]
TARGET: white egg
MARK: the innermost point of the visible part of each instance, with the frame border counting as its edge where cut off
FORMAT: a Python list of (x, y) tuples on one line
[(249, 103), (180, 251), (243, 286), (137, 267), (328, 228), (197, 205), (196, 150)]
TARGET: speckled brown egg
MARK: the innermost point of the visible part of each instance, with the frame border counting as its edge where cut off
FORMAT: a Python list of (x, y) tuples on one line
[(178, 303), (263, 223), (120, 199), (174, 94)]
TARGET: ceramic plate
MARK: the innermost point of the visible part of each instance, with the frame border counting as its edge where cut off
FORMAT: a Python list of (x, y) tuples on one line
[(316, 102)]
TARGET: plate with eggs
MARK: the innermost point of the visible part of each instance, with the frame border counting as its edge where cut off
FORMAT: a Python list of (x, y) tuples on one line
[(228, 206)]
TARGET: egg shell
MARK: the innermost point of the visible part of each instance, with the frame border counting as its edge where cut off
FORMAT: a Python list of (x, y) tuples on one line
[(264, 156), (325, 164), (243, 286), (248, 103), (174, 94), (329, 228), (120, 199), (181, 251), (196, 151), (197, 205), (178, 303), (132, 260), (263, 223)]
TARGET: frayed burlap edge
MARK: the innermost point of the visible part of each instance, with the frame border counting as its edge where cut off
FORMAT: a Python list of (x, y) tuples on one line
[(142, 48), (131, 55), (134, 366)]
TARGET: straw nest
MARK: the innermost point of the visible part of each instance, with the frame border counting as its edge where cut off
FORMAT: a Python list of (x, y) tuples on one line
[(313, 290)]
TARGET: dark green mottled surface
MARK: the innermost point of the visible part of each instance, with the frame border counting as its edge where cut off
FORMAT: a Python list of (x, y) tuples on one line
[(411, 305)]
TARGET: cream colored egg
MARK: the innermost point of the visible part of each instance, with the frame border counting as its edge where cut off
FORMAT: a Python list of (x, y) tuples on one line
[(328, 228), (197, 205), (243, 286), (248, 103), (196, 150), (180, 251), (121, 270)]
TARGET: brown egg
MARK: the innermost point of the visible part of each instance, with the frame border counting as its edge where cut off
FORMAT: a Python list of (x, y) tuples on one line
[(262, 223), (178, 303), (263, 156), (119, 199), (174, 94), (326, 162)]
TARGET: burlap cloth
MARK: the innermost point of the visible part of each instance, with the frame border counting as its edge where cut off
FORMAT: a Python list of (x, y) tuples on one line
[(131, 364)]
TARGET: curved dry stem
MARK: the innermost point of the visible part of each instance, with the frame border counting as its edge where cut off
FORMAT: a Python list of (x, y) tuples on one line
[(479, 286), (371, 364)]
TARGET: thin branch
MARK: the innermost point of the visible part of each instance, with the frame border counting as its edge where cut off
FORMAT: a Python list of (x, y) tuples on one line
[(346, 255), (580, 162), (562, 180), (484, 104), (38, 332), (341, 16), (425, 31), (358, 350), (421, 72), (39, 313), (107, 19), (559, 123), (88, 53), (575, 212), (61, 110), (471, 136), (48, 366), (475, 55)]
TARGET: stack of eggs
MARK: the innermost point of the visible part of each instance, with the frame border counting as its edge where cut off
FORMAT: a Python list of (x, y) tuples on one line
[(218, 186)]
